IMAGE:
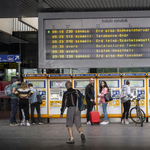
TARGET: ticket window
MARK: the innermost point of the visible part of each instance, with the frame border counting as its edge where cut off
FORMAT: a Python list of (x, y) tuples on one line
[(40, 86), (56, 90), (114, 106), (148, 97), (81, 84), (138, 87)]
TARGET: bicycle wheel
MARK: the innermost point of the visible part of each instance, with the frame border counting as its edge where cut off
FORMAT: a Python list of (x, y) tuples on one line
[(139, 117)]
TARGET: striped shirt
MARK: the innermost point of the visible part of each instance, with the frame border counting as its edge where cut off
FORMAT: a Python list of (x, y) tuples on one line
[(23, 93)]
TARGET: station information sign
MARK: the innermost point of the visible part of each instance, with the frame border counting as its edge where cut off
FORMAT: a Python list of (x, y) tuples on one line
[(97, 43), (93, 40)]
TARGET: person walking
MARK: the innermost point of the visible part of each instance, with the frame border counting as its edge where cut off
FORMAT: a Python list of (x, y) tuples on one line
[(89, 93), (14, 102), (34, 104), (24, 93), (104, 90), (127, 104), (73, 114)]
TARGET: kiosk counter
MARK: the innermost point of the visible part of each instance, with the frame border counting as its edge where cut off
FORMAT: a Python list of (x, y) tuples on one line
[(39, 82), (138, 87), (56, 89), (80, 81), (113, 81)]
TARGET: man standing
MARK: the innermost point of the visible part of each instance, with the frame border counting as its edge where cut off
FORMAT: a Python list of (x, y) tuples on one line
[(34, 103), (14, 102), (73, 114), (89, 92)]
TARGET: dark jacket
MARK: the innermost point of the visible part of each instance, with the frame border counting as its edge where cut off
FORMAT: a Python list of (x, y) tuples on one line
[(69, 99), (89, 92)]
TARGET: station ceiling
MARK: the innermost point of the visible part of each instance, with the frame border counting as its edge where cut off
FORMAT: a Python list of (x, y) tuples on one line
[(31, 8)]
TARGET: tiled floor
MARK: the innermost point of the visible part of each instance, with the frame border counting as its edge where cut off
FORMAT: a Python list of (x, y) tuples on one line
[(53, 137)]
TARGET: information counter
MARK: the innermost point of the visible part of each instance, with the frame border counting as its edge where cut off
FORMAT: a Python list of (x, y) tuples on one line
[(138, 87), (114, 83), (39, 82), (56, 88), (80, 81)]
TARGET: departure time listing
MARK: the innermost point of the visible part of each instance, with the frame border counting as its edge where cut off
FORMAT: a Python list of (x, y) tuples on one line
[(97, 43)]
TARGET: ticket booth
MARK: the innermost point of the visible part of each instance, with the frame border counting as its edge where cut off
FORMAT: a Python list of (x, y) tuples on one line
[(114, 83), (80, 81), (39, 82), (56, 89), (138, 87), (148, 94)]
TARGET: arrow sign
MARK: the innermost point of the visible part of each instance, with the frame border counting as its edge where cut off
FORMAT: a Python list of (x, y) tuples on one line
[(9, 58)]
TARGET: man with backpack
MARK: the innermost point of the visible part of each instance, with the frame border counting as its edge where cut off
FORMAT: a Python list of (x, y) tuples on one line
[(14, 102), (70, 100)]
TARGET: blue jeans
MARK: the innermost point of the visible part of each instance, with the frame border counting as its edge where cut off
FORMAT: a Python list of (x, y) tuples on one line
[(104, 105), (14, 103)]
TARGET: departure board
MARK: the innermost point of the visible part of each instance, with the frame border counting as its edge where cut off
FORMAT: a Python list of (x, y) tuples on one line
[(98, 43), (94, 40)]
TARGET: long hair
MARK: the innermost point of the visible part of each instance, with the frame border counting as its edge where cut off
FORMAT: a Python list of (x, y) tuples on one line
[(23, 85), (105, 85)]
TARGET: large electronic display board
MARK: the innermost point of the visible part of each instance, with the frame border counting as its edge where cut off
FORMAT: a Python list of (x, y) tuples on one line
[(87, 41)]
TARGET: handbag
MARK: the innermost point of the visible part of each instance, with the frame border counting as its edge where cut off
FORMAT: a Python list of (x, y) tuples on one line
[(108, 97), (39, 99)]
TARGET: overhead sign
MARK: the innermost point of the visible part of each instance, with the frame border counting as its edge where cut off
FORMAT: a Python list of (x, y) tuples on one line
[(59, 75), (134, 74), (83, 75), (116, 74), (9, 58), (34, 75)]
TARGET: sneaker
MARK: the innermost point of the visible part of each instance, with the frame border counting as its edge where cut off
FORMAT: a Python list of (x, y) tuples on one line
[(126, 122), (14, 124), (17, 122), (33, 123), (40, 123), (105, 122), (70, 141), (28, 124), (83, 140), (21, 124), (88, 122), (122, 122)]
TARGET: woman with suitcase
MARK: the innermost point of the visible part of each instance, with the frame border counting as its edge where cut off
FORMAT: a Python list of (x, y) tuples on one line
[(104, 90)]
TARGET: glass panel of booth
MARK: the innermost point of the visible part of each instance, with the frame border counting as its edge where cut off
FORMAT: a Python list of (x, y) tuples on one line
[(114, 106), (148, 97), (37, 84), (41, 87), (81, 84), (138, 87), (56, 90)]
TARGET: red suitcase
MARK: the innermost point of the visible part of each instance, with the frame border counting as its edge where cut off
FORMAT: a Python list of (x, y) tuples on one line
[(94, 117)]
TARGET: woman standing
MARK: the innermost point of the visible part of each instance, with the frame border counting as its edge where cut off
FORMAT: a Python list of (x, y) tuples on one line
[(104, 90), (24, 93), (127, 104)]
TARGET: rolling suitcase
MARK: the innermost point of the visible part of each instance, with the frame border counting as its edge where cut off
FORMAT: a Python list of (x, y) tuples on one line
[(94, 117)]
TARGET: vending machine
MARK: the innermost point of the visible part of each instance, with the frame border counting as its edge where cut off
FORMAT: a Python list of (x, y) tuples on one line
[(148, 95), (138, 87), (113, 81), (39, 82), (80, 81), (56, 88)]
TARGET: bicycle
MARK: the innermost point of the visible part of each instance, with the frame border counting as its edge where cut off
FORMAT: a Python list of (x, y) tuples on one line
[(139, 118)]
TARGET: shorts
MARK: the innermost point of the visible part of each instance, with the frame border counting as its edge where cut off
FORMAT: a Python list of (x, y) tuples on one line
[(73, 116)]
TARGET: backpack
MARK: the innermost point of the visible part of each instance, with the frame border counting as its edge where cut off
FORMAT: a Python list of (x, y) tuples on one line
[(8, 90), (124, 96), (82, 104)]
